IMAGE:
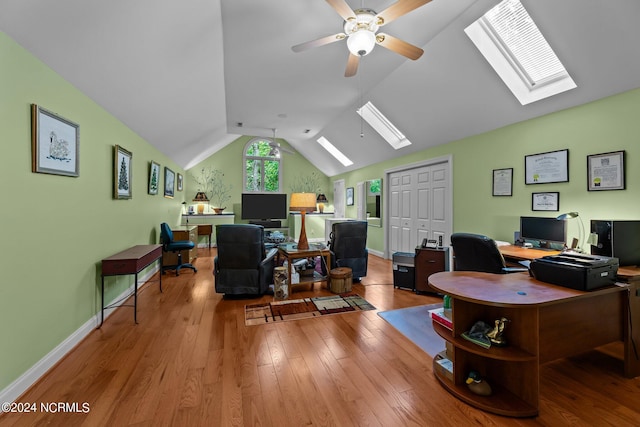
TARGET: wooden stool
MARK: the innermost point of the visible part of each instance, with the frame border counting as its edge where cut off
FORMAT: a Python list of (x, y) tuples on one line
[(341, 280)]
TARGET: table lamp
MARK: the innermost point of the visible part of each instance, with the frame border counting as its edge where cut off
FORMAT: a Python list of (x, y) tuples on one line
[(201, 197), (322, 199), (303, 203)]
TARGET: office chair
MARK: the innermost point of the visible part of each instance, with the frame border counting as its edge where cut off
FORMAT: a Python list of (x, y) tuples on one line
[(475, 252), (243, 266), (170, 245)]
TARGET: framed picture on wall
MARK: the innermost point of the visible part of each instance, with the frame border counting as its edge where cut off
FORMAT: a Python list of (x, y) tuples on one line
[(606, 171), (545, 168), (179, 182), (55, 143), (169, 182), (122, 174), (349, 196), (154, 178), (545, 201), (502, 182)]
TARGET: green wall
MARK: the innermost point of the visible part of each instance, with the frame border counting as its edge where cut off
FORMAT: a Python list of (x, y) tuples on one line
[(56, 229), (609, 124)]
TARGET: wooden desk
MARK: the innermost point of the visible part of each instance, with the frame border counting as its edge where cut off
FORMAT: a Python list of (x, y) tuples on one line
[(205, 230), (518, 253), (130, 261), (547, 322)]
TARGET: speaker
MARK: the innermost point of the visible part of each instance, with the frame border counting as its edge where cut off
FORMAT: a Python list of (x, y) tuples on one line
[(619, 239)]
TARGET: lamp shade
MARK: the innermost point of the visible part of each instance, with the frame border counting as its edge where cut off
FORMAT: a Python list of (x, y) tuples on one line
[(361, 42), (200, 197), (567, 215), (302, 202), (321, 198)]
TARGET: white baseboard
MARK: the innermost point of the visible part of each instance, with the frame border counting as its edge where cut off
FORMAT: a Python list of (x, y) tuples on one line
[(14, 390), (377, 253)]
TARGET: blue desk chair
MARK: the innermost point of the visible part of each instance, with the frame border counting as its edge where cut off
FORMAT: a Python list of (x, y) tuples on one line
[(170, 245)]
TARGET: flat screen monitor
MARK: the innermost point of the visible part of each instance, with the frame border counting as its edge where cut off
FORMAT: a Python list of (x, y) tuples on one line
[(264, 206), (543, 233)]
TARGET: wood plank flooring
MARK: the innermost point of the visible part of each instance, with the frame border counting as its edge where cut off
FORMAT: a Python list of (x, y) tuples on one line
[(191, 361)]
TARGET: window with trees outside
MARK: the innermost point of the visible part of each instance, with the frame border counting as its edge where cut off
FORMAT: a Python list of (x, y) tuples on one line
[(262, 167)]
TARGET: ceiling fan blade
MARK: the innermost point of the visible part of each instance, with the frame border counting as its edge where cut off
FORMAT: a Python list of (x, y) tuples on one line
[(352, 65), (399, 8), (399, 46), (319, 42), (342, 8)]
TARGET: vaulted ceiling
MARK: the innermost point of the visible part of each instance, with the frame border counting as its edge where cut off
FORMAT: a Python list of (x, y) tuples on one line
[(184, 74)]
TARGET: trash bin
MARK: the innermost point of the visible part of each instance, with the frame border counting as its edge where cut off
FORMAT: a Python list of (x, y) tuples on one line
[(404, 271)]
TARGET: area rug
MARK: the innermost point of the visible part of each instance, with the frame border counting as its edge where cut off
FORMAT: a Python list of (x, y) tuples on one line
[(280, 311), (415, 324)]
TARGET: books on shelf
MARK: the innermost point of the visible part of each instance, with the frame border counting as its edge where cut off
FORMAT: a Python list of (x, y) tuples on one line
[(444, 365), (485, 343), (442, 317)]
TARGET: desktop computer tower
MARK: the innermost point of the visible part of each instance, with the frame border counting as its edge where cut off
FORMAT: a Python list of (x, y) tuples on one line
[(619, 239)]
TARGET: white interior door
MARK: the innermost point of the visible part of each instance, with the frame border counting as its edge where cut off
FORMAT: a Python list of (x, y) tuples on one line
[(338, 198)]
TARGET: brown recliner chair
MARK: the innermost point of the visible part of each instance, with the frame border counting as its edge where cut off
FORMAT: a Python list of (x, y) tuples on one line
[(243, 266)]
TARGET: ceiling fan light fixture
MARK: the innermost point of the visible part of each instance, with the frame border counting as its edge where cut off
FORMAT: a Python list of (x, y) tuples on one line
[(361, 42)]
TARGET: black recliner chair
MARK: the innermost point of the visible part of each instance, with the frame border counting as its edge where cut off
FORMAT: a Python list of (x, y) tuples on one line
[(348, 246), (242, 266), (175, 246), (475, 252)]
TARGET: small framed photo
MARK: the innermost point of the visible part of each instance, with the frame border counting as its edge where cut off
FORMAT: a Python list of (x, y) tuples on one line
[(179, 182), (154, 178), (545, 168), (169, 182), (122, 173), (502, 182), (545, 201), (55, 143), (349, 196), (606, 171)]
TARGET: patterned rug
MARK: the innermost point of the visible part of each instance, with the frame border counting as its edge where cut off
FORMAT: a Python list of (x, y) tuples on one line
[(281, 311)]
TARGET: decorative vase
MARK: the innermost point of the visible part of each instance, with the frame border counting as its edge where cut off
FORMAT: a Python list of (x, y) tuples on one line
[(218, 211)]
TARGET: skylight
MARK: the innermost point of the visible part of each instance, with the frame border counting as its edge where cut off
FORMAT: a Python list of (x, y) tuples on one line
[(324, 142), (383, 126), (516, 49)]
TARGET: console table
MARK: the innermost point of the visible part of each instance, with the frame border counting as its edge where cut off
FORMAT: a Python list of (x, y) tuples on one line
[(547, 322), (130, 261)]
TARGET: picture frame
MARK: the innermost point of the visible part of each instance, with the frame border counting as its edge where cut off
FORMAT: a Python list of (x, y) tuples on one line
[(502, 182), (545, 201), (122, 173), (154, 178), (350, 196), (169, 182), (606, 171), (55, 143), (547, 168), (179, 182)]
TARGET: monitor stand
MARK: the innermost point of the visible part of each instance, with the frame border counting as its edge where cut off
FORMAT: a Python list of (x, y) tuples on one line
[(268, 223)]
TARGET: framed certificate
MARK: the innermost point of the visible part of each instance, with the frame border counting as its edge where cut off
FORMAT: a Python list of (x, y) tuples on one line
[(545, 201), (502, 182), (606, 171), (546, 168)]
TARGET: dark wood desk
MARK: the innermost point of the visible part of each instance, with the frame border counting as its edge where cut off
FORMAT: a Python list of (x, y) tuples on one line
[(547, 322), (130, 261)]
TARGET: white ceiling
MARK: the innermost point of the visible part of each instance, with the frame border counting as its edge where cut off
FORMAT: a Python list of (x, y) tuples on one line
[(182, 74)]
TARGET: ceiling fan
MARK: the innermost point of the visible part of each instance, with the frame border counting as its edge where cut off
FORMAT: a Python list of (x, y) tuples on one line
[(360, 29), (276, 148)]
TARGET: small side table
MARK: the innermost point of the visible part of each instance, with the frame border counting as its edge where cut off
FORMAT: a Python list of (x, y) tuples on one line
[(205, 230)]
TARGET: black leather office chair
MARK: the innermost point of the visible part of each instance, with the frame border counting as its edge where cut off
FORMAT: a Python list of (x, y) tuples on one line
[(243, 266), (348, 246), (175, 246), (475, 252)]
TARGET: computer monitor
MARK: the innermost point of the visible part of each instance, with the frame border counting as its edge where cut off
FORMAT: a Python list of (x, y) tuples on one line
[(543, 233), (264, 206)]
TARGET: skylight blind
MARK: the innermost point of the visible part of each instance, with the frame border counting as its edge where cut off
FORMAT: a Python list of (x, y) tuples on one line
[(520, 36)]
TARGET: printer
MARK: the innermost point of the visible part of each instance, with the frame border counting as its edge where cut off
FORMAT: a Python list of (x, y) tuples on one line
[(576, 271)]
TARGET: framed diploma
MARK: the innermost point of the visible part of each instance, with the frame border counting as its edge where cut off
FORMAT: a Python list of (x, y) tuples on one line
[(545, 201), (545, 168), (503, 182), (606, 171)]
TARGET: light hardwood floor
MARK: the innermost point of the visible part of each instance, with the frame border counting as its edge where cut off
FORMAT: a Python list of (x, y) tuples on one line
[(191, 361)]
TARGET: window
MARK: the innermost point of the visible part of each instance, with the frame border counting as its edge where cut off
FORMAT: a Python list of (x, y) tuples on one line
[(262, 167), (383, 126), (516, 49)]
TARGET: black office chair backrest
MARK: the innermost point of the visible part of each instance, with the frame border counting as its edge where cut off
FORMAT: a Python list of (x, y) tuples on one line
[(475, 252), (348, 239), (240, 246)]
